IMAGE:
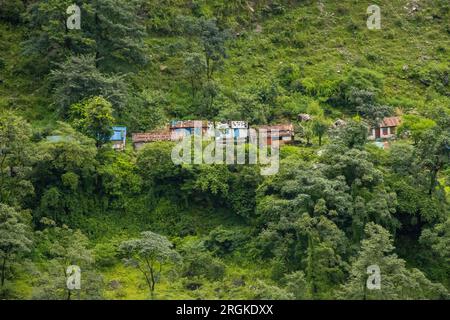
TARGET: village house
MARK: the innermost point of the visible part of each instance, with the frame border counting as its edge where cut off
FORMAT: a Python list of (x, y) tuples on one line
[(304, 117), (285, 133), (179, 128), (387, 129), (220, 131), (119, 137), (230, 130), (140, 139)]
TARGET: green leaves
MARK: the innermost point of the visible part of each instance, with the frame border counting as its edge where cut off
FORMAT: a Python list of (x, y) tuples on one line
[(111, 30), (149, 254), (78, 79), (15, 236), (15, 159), (94, 118), (397, 282)]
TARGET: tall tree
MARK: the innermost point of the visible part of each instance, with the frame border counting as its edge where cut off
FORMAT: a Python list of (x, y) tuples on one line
[(112, 31), (368, 106), (397, 282), (64, 174), (15, 159), (78, 79), (94, 118), (434, 154), (15, 237), (64, 247), (194, 69), (320, 127), (213, 41), (149, 254)]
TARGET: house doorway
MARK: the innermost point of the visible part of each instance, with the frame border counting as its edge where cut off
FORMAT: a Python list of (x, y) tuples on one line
[(377, 133)]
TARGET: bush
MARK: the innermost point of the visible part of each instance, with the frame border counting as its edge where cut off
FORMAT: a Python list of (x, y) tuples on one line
[(106, 253), (10, 10), (224, 241), (203, 264)]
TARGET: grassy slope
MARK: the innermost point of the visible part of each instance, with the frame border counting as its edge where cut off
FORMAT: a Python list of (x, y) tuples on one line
[(325, 41)]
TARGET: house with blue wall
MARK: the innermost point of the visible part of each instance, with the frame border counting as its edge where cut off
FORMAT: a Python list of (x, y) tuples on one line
[(119, 137)]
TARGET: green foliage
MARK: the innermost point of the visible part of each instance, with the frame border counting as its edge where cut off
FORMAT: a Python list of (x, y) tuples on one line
[(155, 165), (62, 247), (78, 79), (94, 118), (308, 232), (198, 263), (63, 164), (224, 241), (15, 159), (112, 31), (416, 126), (149, 254), (396, 280), (10, 10), (15, 237), (264, 291)]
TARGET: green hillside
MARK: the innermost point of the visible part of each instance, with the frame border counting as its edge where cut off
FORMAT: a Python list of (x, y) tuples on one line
[(338, 204)]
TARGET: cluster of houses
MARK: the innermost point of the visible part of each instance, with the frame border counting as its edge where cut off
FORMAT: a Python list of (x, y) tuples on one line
[(221, 131), (237, 131)]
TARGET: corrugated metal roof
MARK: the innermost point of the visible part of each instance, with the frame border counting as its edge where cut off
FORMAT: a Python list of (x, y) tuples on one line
[(188, 124), (390, 122), (157, 135), (283, 129)]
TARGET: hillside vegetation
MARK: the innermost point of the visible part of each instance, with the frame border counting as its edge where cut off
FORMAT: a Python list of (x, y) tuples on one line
[(141, 227)]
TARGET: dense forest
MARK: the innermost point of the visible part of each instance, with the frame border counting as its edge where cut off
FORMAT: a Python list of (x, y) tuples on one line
[(141, 227)]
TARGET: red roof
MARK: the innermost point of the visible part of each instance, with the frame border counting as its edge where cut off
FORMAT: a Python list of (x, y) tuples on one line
[(390, 122), (283, 129), (161, 135), (188, 124)]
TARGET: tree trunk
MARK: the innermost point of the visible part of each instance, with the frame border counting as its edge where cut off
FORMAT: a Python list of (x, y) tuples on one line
[(3, 269), (433, 178)]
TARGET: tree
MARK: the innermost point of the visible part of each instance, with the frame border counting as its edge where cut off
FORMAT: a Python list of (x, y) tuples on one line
[(149, 254), (194, 69), (15, 236), (118, 30), (397, 282), (199, 263), (64, 174), (157, 170), (78, 79), (352, 135), (112, 31), (438, 238), (320, 127), (434, 154), (15, 159), (368, 107), (49, 40), (324, 244), (10, 10), (94, 118), (63, 247), (213, 41), (210, 183), (295, 283), (415, 126), (306, 131)]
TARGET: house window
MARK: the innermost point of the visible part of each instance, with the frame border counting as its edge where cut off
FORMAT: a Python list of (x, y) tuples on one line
[(385, 131)]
